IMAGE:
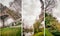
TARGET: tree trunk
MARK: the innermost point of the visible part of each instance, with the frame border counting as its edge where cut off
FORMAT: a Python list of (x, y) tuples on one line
[(3, 23)]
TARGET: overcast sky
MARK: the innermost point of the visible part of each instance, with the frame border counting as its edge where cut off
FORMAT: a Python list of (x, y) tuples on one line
[(31, 11), (56, 10), (6, 2)]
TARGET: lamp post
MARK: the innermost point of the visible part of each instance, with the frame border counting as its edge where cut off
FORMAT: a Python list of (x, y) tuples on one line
[(3, 17)]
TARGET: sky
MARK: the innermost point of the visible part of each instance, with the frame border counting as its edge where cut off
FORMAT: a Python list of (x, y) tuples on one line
[(56, 10), (31, 11), (6, 2)]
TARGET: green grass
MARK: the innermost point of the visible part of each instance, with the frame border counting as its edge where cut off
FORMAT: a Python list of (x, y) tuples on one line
[(48, 33), (39, 34), (10, 31)]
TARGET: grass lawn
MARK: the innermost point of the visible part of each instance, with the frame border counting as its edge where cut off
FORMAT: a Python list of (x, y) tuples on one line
[(48, 33), (10, 31), (39, 34)]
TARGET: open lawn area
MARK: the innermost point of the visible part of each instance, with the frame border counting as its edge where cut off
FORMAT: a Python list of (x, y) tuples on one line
[(10, 31), (39, 34)]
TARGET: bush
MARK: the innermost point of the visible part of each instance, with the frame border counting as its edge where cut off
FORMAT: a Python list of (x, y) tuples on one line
[(56, 33)]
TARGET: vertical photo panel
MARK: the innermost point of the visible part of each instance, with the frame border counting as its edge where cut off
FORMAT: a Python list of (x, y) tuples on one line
[(52, 17), (33, 17), (10, 17)]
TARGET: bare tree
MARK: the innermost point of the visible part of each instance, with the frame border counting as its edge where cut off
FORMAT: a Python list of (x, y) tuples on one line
[(16, 4), (49, 5), (41, 16), (42, 3)]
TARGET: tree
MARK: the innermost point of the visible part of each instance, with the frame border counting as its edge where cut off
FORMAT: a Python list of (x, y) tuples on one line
[(3, 18), (49, 5), (16, 3), (41, 16)]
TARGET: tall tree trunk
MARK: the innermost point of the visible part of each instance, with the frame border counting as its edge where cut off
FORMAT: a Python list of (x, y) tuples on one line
[(41, 16)]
